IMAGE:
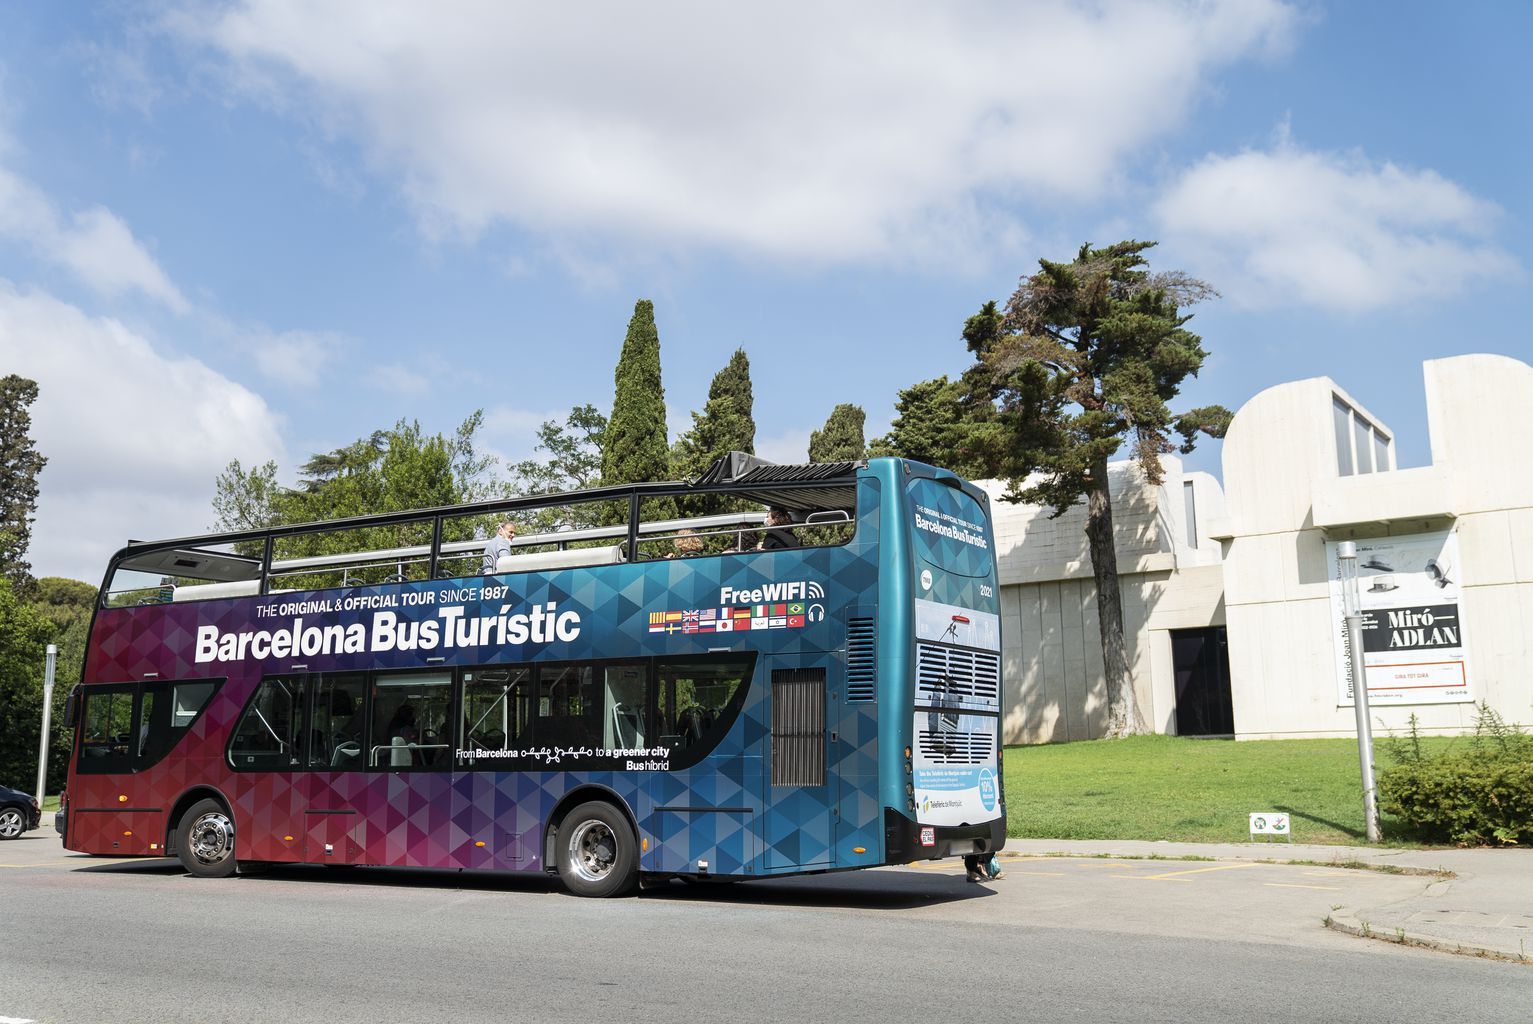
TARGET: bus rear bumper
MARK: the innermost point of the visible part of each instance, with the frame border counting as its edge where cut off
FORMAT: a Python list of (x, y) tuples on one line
[(906, 840)]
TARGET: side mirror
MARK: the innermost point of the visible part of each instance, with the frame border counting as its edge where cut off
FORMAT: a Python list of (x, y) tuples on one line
[(72, 708)]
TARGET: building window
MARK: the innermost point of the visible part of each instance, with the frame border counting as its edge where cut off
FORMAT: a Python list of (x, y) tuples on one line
[(1343, 416), (1190, 512)]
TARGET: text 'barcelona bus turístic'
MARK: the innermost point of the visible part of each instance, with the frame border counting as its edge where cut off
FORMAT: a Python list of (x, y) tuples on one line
[(770, 670)]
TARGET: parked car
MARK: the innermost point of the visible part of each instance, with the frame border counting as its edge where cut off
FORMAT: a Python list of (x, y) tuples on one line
[(19, 813)]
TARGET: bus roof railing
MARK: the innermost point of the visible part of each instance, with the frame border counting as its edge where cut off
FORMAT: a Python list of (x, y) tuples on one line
[(806, 489), (559, 537)]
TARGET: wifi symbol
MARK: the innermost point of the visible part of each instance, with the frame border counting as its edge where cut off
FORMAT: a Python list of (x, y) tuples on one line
[(815, 590)]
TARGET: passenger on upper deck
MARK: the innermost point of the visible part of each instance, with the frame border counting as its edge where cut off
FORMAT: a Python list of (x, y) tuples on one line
[(687, 544), (779, 533), (499, 545)]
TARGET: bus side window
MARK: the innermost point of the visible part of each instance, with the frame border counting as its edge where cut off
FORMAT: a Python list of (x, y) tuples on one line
[(269, 732), (335, 731), (106, 741), (166, 711)]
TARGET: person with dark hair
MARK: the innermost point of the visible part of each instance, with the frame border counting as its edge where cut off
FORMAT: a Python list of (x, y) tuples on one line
[(779, 532)]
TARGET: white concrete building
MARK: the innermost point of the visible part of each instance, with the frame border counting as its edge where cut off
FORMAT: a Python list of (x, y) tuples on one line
[(1305, 465), (1170, 579)]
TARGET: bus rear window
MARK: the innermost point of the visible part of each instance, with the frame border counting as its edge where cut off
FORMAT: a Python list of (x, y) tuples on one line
[(950, 528)]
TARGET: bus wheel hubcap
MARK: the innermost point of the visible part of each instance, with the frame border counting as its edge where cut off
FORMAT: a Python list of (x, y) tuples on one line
[(593, 848), (212, 838)]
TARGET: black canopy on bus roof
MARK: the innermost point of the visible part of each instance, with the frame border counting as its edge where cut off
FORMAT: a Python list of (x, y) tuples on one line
[(764, 481)]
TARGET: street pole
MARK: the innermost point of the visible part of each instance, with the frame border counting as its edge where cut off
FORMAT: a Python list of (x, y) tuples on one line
[(1346, 557), (42, 752)]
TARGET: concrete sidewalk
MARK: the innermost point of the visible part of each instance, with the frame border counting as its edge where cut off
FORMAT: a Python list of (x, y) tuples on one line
[(1483, 908)]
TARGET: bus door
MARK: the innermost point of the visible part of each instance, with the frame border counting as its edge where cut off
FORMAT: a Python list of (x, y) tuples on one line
[(802, 799), (332, 826)]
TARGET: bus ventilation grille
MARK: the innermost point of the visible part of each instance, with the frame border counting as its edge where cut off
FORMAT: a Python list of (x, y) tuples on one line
[(860, 651), (960, 672), (952, 747)]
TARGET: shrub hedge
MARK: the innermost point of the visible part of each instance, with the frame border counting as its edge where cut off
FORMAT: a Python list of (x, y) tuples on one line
[(1478, 792)]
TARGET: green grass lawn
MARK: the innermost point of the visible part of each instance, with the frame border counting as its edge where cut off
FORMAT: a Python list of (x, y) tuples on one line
[(1190, 790)]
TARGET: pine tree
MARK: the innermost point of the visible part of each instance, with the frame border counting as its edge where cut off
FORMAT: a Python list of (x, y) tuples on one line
[(1083, 361), (925, 427), (726, 424), (841, 438), (19, 466)]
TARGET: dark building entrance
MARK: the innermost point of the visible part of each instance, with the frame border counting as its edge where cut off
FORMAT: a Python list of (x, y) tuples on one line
[(1201, 659)]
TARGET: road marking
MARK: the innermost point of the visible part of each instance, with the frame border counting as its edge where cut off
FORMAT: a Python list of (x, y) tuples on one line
[(1295, 885), (1152, 878), (17, 1020), (1199, 871)]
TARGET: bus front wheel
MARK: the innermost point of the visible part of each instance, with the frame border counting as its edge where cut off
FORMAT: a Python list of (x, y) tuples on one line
[(597, 852), (205, 840)]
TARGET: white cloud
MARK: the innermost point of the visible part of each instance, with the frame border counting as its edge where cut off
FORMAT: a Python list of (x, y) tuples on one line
[(807, 131), (134, 438), (294, 358), (94, 244), (1337, 231)]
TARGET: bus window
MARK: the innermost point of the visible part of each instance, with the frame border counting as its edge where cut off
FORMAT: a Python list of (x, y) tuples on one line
[(623, 702), (412, 721), (698, 701), (569, 708), (269, 732), (497, 708), (166, 712), (335, 730), (106, 739)]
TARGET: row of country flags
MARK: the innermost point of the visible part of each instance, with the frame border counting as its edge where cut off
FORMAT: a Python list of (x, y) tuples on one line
[(725, 620)]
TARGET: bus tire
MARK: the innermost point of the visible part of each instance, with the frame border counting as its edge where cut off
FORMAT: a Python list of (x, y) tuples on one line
[(205, 840), (597, 852)]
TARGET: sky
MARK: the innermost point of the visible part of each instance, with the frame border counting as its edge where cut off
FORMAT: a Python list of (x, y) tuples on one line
[(262, 229)]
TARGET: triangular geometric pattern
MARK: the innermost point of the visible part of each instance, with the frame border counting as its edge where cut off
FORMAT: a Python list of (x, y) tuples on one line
[(723, 811)]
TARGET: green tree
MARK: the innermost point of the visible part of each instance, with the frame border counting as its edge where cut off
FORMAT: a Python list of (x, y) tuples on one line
[(1082, 362), (926, 427), (726, 424), (245, 500), (24, 634), (634, 448), (572, 457), (841, 438), (394, 470), (19, 466)]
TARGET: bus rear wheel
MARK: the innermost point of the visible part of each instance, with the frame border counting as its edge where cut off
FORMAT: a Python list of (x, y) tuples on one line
[(205, 840), (597, 852)]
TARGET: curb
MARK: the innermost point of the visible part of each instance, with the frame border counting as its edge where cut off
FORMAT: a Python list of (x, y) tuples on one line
[(1344, 920)]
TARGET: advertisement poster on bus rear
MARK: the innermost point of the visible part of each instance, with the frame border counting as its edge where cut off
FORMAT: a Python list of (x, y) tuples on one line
[(1413, 628)]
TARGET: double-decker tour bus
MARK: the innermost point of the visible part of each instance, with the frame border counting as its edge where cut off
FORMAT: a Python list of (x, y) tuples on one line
[(770, 670)]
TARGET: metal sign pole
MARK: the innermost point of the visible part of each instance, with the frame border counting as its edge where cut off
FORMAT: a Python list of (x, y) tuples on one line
[(1346, 557), (42, 751)]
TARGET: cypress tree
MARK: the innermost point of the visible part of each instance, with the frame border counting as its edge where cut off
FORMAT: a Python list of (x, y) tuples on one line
[(841, 438), (726, 424), (19, 465), (634, 447)]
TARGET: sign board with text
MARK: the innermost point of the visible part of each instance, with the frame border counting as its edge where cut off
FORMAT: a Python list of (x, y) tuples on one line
[(1412, 622)]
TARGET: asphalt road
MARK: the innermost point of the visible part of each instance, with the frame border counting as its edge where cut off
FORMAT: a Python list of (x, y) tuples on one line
[(83, 939)]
